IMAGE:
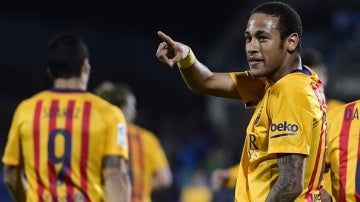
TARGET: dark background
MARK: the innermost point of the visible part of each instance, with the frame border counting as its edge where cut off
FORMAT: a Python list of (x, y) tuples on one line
[(199, 133)]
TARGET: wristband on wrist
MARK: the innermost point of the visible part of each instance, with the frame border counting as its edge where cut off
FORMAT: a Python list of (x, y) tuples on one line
[(188, 61)]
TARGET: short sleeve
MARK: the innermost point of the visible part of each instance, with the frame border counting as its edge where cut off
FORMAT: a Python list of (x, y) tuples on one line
[(12, 152), (116, 142)]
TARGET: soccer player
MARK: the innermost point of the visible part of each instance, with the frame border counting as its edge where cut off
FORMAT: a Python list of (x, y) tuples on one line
[(343, 151), (284, 151), (312, 58), (70, 143), (149, 167)]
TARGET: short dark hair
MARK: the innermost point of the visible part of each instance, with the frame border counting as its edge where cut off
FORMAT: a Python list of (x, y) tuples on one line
[(66, 55), (289, 19)]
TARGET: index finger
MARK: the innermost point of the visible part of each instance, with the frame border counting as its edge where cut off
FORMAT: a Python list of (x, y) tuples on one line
[(170, 43)]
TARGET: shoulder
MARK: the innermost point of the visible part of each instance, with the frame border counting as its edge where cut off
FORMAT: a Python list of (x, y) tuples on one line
[(31, 101), (105, 108), (342, 117), (344, 110), (144, 132), (333, 103), (297, 84)]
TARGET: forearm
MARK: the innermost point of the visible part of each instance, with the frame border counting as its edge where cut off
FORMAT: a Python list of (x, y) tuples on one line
[(203, 81), (18, 193), (13, 182), (117, 185), (290, 180), (196, 76), (117, 181)]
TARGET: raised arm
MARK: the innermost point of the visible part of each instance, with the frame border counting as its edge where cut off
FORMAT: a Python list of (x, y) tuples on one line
[(290, 180), (198, 77), (117, 181)]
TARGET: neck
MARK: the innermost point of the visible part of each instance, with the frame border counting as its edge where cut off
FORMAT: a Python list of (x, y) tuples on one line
[(286, 69), (70, 83)]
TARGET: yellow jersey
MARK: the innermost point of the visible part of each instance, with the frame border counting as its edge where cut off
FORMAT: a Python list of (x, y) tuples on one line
[(289, 118), (344, 151), (146, 157), (61, 137)]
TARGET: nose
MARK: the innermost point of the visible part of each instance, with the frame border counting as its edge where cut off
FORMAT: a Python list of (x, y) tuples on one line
[(252, 46)]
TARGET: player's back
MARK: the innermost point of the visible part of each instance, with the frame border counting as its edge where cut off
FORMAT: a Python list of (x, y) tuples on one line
[(146, 157), (344, 150), (63, 136)]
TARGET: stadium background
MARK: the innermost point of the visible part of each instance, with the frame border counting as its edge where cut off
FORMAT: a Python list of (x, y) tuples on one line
[(199, 133)]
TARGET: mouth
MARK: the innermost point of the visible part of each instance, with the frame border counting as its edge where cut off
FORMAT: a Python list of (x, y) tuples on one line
[(254, 61)]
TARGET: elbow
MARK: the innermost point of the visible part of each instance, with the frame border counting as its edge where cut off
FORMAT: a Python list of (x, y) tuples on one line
[(162, 179), (166, 182)]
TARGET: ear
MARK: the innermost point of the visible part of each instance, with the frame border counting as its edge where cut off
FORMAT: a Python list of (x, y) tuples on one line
[(293, 41), (86, 66)]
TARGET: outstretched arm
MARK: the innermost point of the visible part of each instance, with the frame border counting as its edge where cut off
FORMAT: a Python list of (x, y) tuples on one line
[(290, 180), (198, 77), (117, 181)]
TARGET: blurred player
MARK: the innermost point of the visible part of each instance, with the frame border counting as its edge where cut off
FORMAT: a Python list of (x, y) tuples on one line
[(149, 167), (71, 144), (344, 151), (314, 59)]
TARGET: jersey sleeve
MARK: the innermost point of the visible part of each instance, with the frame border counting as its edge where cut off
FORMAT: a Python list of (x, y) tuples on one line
[(250, 89), (158, 159), (292, 114), (116, 137), (12, 152)]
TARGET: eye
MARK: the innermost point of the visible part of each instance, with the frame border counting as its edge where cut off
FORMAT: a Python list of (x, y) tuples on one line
[(262, 38), (247, 38)]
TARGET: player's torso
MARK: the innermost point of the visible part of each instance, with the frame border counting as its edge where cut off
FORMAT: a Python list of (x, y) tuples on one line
[(270, 122), (62, 139), (140, 164), (344, 150)]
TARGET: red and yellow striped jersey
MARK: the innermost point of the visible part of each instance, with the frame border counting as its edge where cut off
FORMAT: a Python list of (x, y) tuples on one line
[(289, 118), (332, 103), (146, 157), (344, 151), (61, 136)]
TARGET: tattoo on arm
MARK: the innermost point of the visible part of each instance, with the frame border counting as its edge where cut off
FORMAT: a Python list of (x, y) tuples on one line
[(290, 180)]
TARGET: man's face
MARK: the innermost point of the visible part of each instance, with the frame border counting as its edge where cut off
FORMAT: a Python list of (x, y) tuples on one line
[(263, 45)]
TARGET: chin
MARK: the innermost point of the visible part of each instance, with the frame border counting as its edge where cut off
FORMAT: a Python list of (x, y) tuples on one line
[(255, 73)]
